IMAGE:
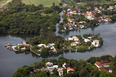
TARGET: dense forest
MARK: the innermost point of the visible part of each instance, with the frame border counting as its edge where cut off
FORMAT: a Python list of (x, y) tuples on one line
[(19, 18), (82, 68)]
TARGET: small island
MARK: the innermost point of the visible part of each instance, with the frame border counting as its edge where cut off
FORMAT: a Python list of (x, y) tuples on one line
[(47, 46)]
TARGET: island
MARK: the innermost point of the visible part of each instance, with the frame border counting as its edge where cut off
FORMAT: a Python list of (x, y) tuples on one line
[(42, 46)]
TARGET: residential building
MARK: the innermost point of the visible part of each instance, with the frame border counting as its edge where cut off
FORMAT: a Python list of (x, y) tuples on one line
[(103, 65), (69, 69), (60, 71)]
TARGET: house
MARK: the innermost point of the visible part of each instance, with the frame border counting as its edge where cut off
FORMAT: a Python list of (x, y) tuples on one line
[(75, 38), (69, 69), (89, 37), (74, 11), (75, 43), (96, 9), (43, 69), (60, 71), (81, 26), (41, 45), (51, 44), (95, 43), (103, 65), (24, 48), (49, 64), (25, 44), (70, 20), (69, 10), (86, 40), (65, 65), (70, 39), (89, 17), (51, 67), (67, 14), (110, 8)]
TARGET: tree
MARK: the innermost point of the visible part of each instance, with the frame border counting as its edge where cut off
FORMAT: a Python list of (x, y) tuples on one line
[(60, 4), (55, 72), (45, 51), (105, 74), (53, 4), (23, 72), (83, 72), (92, 60), (41, 74)]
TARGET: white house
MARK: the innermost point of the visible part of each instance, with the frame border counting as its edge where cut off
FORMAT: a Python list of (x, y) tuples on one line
[(51, 67), (41, 45), (86, 40), (60, 71), (95, 43)]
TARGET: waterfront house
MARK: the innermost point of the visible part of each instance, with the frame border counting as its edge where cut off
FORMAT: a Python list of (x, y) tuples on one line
[(23, 49), (51, 67), (86, 40), (25, 44), (75, 38), (65, 65), (41, 45), (69, 69), (103, 65), (75, 43), (95, 43), (49, 64)]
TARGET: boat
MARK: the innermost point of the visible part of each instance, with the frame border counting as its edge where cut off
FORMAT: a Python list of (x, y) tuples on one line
[(7, 45)]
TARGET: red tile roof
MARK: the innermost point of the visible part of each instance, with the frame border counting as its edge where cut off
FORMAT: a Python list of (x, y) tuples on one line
[(103, 68), (68, 14), (99, 63), (105, 61), (70, 69), (102, 63)]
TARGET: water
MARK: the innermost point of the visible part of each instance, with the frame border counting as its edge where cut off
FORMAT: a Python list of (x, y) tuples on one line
[(10, 61), (61, 20)]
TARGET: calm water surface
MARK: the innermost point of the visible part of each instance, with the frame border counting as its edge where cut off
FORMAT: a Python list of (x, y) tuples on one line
[(10, 61)]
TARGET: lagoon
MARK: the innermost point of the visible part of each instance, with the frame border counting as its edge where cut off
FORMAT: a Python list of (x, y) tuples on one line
[(10, 61)]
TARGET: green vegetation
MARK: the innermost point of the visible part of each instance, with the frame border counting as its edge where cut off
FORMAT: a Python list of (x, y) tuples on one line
[(2, 1), (82, 68), (46, 3), (49, 44), (47, 48), (28, 19)]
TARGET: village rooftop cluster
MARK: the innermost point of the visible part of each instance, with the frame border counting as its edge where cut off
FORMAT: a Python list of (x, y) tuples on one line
[(101, 65), (91, 16)]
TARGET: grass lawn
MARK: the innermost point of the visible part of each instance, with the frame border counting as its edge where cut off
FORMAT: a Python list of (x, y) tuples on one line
[(2, 1), (96, 3), (46, 3)]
